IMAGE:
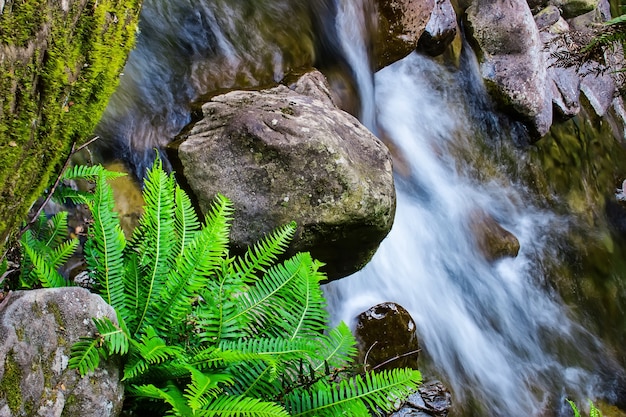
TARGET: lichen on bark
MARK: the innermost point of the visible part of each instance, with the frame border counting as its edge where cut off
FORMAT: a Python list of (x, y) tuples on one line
[(59, 63)]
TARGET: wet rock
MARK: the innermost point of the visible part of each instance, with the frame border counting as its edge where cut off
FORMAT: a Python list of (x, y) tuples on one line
[(432, 399), (494, 241), (400, 26), (281, 156), (387, 339), (573, 8), (511, 60), (547, 17), (37, 330), (440, 30), (563, 82)]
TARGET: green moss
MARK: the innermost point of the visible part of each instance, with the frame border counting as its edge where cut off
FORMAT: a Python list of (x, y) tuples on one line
[(10, 383), (19, 332), (54, 97), (56, 312)]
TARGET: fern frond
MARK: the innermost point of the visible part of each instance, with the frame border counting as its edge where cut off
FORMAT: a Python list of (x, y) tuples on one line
[(377, 391), (64, 195), (42, 271), (192, 272), (171, 394), (256, 379), (340, 348), (287, 300), (203, 388), (114, 336), (90, 173), (149, 350), (84, 355), (264, 253), (218, 313), (155, 238), (56, 229), (238, 406), (62, 253), (185, 220), (104, 249)]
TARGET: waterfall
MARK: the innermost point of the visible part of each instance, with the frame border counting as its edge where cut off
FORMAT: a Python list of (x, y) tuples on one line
[(492, 331)]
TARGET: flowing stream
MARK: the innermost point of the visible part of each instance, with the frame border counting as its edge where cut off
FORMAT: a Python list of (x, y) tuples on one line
[(494, 332)]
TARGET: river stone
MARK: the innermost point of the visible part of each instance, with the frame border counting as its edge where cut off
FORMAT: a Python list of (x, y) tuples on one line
[(511, 60), (400, 25), (432, 399), (563, 83), (386, 338), (494, 241), (37, 330), (440, 30), (279, 156), (573, 8)]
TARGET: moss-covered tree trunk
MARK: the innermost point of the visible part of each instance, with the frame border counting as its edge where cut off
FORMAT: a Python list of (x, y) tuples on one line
[(60, 60)]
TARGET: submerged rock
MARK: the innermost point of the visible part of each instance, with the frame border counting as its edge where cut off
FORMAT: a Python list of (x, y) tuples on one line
[(37, 331), (280, 155), (494, 241), (387, 338)]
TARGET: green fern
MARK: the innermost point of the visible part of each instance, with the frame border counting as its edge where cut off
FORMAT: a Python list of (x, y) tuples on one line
[(593, 411), (46, 247), (207, 334)]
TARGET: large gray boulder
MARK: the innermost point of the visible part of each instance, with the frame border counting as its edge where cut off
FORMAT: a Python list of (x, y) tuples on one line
[(37, 331), (289, 154), (511, 59)]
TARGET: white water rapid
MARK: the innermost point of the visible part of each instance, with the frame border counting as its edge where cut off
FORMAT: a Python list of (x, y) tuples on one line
[(492, 332)]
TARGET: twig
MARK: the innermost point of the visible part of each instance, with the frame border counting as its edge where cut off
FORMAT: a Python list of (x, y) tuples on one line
[(413, 352), (73, 151), (367, 354)]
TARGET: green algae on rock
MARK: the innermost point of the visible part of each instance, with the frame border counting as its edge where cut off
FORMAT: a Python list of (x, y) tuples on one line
[(59, 63)]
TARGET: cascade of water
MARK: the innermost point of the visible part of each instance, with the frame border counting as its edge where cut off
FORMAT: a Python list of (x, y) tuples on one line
[(353, 32), (491, 330)]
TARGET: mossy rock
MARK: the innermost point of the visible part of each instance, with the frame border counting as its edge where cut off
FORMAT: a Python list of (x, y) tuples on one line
[(59, 63)]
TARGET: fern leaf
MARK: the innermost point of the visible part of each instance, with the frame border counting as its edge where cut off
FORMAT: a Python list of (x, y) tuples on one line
[(57, 229), (155, 237), (203, 388), (171, 394), (49, 277), (62, 253), (340, 348), (104, 249), (265, 252), (185, 220), (115, 338), (64, 195), (89, 172), (84, 355), (287, 300), (377, 391), (226, 406), (192, 272)]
